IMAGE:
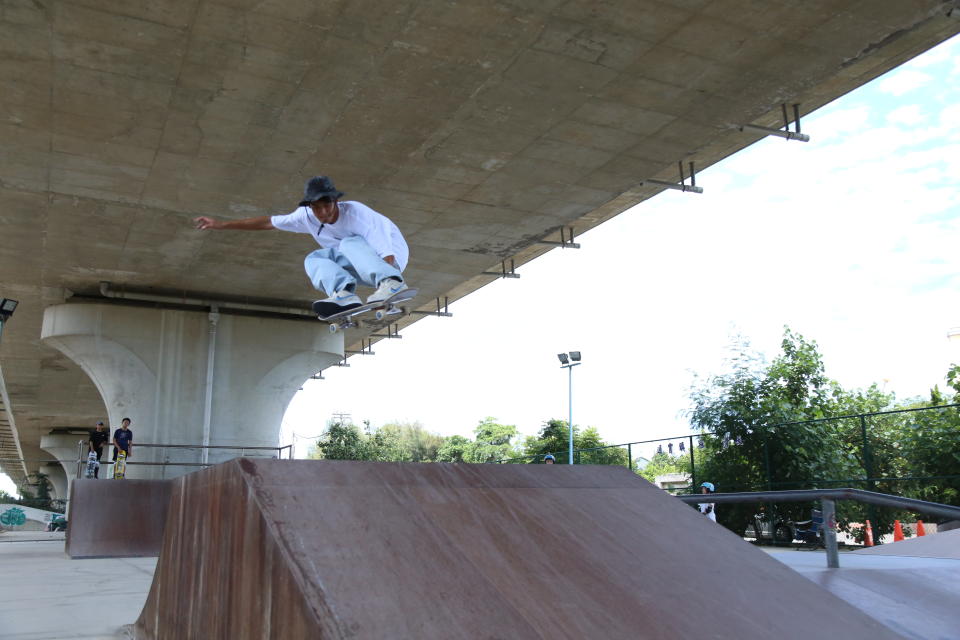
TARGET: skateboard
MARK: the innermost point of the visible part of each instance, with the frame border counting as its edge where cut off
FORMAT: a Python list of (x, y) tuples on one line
[(120, 466), (346, 319), (92, 464)]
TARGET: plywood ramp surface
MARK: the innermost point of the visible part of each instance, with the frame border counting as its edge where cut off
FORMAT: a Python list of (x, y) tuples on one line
[(117, 518), (331, 549)]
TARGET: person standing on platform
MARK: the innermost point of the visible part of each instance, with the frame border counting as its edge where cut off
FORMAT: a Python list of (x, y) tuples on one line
[(123, 439), (98, 438)]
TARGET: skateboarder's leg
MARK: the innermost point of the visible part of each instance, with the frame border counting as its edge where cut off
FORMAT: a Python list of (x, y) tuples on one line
[(369, 267), (330, 271), (372, 269)]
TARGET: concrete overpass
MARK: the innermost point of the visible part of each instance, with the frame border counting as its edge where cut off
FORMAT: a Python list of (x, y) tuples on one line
[(482, 129)]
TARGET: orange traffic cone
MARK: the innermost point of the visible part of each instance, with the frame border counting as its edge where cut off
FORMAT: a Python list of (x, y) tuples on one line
[(897, 531), (868, 536), (920, 531)]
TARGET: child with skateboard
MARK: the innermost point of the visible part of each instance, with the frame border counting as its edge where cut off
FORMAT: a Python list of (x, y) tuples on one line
[(359, 245), (122, 448), (98, 438)]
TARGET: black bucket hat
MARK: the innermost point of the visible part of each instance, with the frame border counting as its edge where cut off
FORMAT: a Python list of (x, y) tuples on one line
[(319, 187)]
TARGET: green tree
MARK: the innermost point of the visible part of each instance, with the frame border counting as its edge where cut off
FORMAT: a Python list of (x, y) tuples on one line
[(454, 449), (930, 445), (662, 464), (408, 442), (554, 438), (493, 441), (342, 441), (737, 414)]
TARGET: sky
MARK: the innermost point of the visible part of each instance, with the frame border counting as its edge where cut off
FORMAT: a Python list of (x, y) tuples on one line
[(850, 240)]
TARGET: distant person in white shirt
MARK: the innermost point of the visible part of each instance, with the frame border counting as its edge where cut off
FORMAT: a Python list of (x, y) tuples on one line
[(358, 244), (708, 508)]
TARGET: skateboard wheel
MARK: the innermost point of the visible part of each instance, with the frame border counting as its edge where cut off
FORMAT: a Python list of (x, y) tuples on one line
[(334, 328), (379, 314)]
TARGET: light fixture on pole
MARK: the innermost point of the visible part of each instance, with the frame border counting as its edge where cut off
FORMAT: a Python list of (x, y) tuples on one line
[(7, 307), (568, 361)]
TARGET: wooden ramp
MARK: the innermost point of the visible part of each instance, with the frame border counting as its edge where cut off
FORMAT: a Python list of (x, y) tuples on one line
[(117, 518), (327, 549)]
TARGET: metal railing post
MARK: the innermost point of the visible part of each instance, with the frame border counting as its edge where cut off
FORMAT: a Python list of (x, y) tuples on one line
[(79, 459), (766, 462), (630, 456), (829, 512), (872, 514), (693, 466)]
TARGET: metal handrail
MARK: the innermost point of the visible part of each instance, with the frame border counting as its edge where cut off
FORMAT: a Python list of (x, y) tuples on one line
[(827, 498), (804, 495), (82, 458)]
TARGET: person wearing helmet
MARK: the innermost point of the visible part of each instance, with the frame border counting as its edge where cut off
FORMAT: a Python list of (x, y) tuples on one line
[(549, 459), (359, 245), (708, 508)]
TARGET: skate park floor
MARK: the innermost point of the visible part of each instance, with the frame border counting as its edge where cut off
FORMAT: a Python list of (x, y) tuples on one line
[(918, 597), (48, 596), (45, 595)]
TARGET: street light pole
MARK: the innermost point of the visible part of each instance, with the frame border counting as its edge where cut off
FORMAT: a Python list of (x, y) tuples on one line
[(568, 361), (570, 407)]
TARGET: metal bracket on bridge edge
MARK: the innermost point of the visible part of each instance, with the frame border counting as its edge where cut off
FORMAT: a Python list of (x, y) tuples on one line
[(679, 186), (441, 311), (504, 273), (784, 133), (564, 243), (393, 331), (366, 349)]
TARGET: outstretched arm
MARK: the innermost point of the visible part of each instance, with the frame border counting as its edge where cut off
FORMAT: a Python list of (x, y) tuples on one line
[(259, 223)]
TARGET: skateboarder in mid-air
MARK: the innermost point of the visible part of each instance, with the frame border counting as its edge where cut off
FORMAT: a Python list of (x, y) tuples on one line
[(358, 244)]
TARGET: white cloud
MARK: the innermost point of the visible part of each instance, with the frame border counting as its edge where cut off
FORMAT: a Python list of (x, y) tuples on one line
[(909, 115), (904, 81)]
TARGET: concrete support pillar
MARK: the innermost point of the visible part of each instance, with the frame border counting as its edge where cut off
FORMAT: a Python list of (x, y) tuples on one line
[(154, 366), (63, 447), (58, 480)]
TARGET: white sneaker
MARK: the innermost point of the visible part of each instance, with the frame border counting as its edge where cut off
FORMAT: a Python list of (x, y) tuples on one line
[(344, 299), (388, 288)]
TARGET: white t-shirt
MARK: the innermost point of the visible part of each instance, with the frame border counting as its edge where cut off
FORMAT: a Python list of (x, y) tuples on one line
[(355, 219), (708, 509)]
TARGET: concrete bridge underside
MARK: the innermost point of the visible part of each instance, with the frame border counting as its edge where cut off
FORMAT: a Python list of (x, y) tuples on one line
[(480, 128)]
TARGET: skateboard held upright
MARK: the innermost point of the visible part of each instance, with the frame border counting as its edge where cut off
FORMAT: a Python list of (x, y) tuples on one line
[(120, 466), (92, 465)]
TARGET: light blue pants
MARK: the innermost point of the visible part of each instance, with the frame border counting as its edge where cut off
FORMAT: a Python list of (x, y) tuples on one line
[(334, 270)]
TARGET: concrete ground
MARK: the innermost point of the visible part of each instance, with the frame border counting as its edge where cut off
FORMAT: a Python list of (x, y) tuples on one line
[(47, 596), (44, 595), (916, 597)]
